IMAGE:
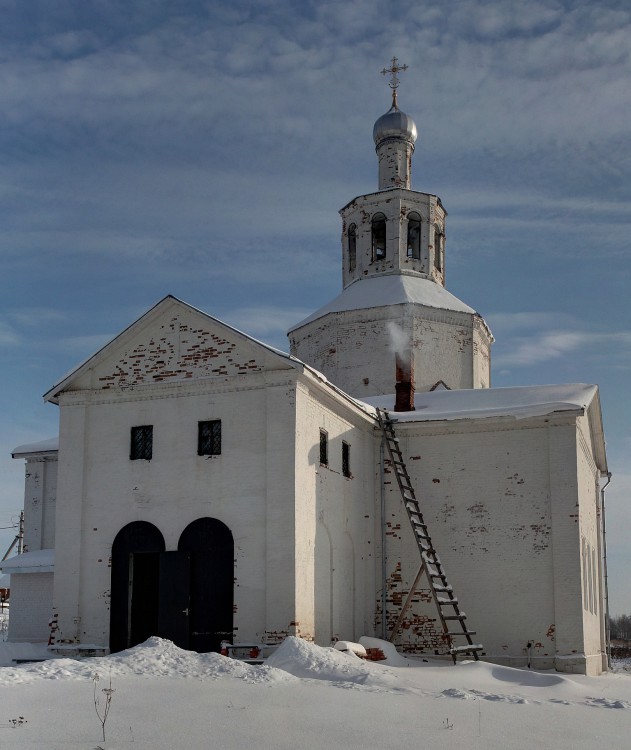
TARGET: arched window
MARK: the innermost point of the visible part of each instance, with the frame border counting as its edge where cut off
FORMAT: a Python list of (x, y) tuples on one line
[(438, 249), (414, 236), (378, 237), (352, 247)]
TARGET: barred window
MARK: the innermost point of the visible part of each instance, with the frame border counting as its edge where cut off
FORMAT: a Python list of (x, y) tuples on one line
[(141, 443), (324, 448), (209, 438), (346, 459)]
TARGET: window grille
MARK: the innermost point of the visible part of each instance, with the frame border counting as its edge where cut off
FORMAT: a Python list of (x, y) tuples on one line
[(141, 443), (209, 438)]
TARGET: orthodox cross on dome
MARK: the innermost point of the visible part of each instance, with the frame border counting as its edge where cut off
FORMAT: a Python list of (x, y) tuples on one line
[(394, 81)]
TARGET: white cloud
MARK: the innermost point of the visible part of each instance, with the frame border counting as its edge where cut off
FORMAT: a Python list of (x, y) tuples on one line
[(8, 336), (531, 338), (36, 316)]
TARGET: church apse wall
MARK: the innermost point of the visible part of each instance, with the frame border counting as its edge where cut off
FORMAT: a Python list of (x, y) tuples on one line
[(485, 494)]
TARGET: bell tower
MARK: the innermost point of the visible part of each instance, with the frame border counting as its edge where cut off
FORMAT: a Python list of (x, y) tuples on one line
[(393, 275)]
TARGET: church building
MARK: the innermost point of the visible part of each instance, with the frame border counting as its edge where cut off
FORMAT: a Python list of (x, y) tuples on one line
[(207, 487)]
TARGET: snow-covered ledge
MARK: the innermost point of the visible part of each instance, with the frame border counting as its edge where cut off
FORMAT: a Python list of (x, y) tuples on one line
[(39, 561)]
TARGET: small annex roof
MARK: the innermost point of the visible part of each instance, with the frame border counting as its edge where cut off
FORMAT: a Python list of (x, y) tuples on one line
[(38, 561), (387, 290), (43, 447), (156, 310), (519, 402)]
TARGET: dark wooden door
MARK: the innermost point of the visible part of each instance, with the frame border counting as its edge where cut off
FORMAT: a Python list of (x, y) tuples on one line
[(186, 596), (143, 596), (134, 584), (174, 598), (211, 546)]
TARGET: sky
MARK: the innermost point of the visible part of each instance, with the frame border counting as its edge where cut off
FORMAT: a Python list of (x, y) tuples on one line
[(203, 149)]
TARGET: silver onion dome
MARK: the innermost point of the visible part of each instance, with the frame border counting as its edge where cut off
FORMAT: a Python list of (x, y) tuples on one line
[(394, 124)]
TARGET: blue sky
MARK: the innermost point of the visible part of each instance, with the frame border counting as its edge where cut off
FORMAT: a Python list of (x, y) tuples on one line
[(203, 149)]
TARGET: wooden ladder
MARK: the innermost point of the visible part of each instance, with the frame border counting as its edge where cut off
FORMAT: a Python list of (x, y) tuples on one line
[(453, 621)]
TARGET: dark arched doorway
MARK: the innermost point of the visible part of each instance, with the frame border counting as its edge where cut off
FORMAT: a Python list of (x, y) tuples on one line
[(134, 610), (209, 544)]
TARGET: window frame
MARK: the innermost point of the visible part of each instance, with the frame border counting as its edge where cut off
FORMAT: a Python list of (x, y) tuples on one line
[(141, 443), (209, 444)]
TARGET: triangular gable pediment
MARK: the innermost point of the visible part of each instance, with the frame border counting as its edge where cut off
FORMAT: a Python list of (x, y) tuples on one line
[(172, 342)]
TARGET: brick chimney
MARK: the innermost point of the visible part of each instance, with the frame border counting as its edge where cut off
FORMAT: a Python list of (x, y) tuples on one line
[(404, 388)]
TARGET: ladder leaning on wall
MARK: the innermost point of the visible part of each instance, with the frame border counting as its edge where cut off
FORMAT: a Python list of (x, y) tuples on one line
[(453, 621)]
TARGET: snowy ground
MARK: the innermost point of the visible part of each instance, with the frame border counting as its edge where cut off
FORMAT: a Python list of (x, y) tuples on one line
[(304, 697)]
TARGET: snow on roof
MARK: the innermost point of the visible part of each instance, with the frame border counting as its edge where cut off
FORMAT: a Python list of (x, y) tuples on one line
[(387, 290), (476, 403), (38, 561), (43, 446)]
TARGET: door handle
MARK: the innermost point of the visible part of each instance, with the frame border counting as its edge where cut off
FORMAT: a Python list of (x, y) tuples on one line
[(185, 611)]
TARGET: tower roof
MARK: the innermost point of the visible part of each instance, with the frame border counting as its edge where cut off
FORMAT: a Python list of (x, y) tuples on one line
[(394, 124), (387, 290)]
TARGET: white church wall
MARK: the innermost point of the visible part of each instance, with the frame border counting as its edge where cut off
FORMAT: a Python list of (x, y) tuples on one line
[(246, 487), (279, 583), (332, 516), (481, 356), (40, 492), (343, 345), (485, 490), (565, 493), (589, 522)]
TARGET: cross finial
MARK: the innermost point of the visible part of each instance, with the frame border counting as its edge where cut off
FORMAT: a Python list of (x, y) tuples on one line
[(394, 81)]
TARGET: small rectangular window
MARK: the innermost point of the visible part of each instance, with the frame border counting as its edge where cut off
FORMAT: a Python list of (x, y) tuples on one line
[(209, 438), (141, 443), (346, 459), (324, 448)]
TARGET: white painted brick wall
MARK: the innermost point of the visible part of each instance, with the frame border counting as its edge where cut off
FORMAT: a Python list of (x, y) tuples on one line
[(333, 518), (40, 493), (491, 493), (343, 347)]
